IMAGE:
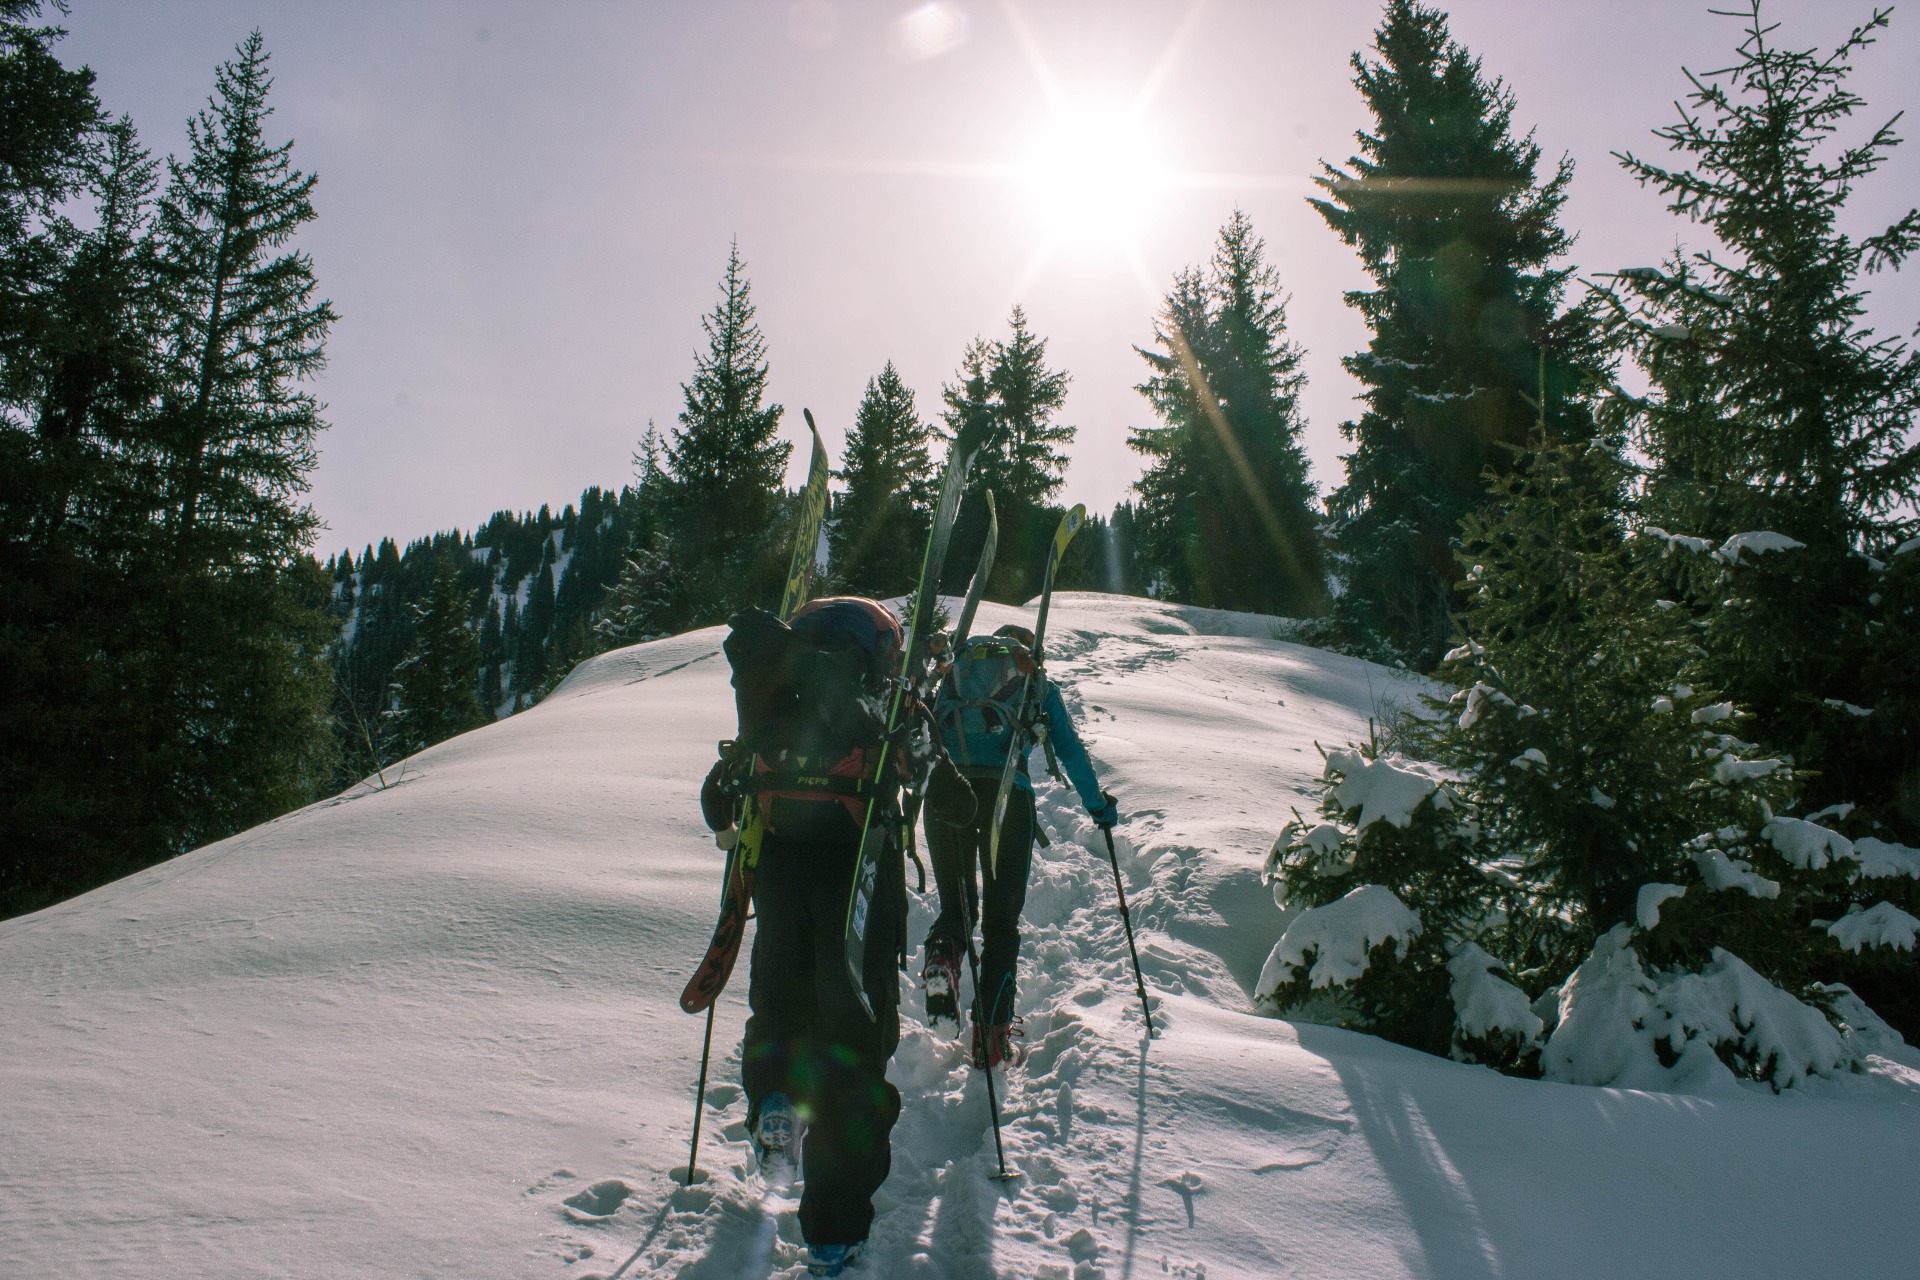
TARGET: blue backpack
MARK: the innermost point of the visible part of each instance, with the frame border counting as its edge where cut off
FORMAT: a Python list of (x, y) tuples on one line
[(982, 699)]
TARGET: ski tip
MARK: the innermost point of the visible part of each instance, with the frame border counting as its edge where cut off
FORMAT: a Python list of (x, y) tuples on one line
[(810, 425)]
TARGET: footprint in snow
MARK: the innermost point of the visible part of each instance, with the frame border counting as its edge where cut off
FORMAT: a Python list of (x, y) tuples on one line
[(598, 1202)]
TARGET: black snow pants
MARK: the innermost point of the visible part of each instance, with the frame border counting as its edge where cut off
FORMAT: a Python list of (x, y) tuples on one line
[(997, 900), (807, 1036)]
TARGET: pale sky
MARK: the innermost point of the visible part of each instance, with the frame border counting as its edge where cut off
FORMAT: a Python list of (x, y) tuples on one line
[(525, 207)]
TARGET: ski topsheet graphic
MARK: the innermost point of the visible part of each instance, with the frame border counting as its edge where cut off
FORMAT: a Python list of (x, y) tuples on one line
[(736, 894), (866, 867), (1031, 689)]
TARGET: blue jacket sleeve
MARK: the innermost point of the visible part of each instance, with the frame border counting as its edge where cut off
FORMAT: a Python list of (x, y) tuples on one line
[(1070, 751)]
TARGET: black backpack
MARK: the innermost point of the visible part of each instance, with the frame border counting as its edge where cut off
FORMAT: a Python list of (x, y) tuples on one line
[(815, 688)]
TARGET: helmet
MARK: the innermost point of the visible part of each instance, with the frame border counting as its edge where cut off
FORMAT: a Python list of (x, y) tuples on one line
[(1015, 631)]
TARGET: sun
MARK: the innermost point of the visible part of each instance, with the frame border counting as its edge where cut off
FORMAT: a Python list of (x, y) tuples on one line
[(1093, 173)]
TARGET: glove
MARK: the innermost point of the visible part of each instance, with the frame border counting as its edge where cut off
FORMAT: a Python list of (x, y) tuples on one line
[(716, 806), (1107, 813), (949, 794)]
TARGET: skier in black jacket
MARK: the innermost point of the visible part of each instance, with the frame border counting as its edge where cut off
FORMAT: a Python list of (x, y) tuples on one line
[(814, 1062)]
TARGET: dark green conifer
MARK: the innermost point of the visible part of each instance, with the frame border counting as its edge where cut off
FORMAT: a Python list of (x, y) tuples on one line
[(1227, 515), (1006, 399), (233, 445), (880, 520), (721, 514), (1774, 407), (1450, 220), (433, 688)]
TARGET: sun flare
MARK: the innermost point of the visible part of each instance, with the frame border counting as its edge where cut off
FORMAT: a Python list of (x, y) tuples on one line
[(1093, 174)]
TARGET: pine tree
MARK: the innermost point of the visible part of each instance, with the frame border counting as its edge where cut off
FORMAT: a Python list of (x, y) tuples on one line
[(1445, 209), (433, 688), (232, 446), (1005, 398), (644, 599), (880, 520), (1774, 408), (1227, 513), (1594, 819), (722, 506), (50, 113)]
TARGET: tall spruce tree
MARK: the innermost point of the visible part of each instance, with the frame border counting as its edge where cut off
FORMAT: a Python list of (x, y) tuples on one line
[(243, 704), (63, 621), (880, 521), (1774, 407), (1227, 515), (1007, 399), (722, 505), (1445, 208)]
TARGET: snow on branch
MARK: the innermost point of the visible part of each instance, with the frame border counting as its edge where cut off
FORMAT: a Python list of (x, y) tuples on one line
[(1881, 925), (1758, 543), (1341, 936), (1807, 845), (1678, 1031), (1680, 541), (1390, 788), (1880, 859), (1485, 1005)]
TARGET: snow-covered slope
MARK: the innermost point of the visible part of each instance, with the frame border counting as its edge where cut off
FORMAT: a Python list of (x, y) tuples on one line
[(431, 1030)]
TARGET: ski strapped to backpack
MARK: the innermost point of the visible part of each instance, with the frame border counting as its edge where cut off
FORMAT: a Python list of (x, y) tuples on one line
[(743, 857), (1032, 692), (981, 572), (907, 693)]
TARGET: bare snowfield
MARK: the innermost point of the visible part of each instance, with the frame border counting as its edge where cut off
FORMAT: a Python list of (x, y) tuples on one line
[(431, 1030)]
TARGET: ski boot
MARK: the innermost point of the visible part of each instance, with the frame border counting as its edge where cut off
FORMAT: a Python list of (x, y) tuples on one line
[(831, 1259), (941, 978), (776, 1140), (997, 1048)]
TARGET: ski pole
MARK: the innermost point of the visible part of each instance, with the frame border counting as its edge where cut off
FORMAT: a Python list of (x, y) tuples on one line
[(706, 1042), (980, 1039), (1139, 983), (700, 1096)]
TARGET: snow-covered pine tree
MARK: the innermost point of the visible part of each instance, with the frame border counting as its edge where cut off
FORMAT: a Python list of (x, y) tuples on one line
[(1774, 407), (433, 687), (1444, 205), (1591, 866), (1781, 432), (1228, 517), (880, 519)]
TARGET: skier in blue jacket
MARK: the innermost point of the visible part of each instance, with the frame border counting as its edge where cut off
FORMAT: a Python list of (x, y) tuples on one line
[(980, 701)]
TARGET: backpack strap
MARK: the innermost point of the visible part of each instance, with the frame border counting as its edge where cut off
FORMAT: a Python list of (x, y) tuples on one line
[(812, 785)]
